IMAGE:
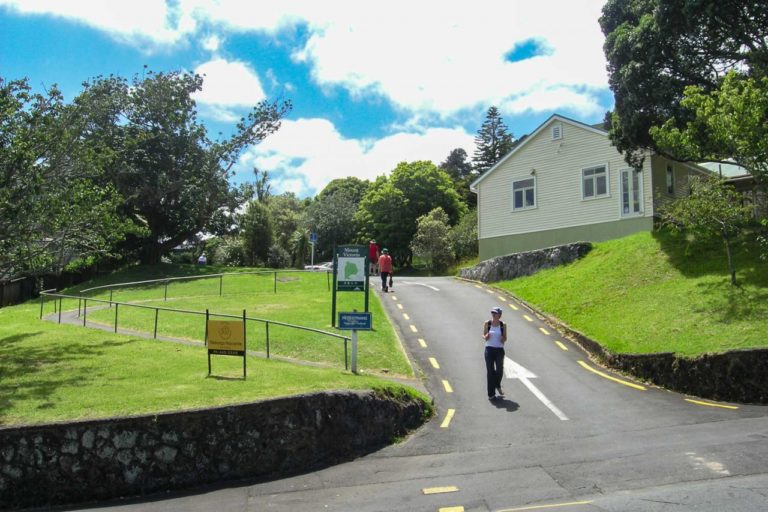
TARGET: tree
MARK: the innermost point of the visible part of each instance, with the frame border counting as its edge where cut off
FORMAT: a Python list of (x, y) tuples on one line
[(459, 169), (492, 141), (430, 242), (332, 217), (462, 238), (389, 209), (728, 123), (713, 210), (656, 48), (286, 212), (56, 209), (256, 228), (173, 177)]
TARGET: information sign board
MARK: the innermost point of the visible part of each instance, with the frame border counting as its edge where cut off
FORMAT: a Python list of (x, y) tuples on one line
[(354, 321)]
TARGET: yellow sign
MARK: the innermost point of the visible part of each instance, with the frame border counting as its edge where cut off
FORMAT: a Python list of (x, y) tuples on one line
[(226, 335)]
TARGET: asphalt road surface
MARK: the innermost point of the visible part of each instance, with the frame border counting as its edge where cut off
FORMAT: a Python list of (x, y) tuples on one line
[(569, 436)]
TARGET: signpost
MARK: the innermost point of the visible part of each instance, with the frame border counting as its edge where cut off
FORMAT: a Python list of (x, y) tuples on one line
[(355, 321), (225, 338), (313, 241), (350, 273)]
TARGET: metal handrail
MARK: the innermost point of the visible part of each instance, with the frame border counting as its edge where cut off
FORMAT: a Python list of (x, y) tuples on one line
[(60, 296)]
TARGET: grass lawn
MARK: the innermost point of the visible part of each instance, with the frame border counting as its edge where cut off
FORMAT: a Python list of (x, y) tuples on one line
[(51, 372), (657, 292)]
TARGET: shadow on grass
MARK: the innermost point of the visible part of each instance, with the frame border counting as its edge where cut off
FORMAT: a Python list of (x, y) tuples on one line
[(729, 304), (698, 258), (29, 372)]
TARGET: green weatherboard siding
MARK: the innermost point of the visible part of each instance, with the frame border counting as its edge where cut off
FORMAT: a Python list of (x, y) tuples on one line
[(509, 244)]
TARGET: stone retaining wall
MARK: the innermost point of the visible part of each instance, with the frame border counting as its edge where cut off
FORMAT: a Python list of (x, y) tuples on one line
[(86, 461), (511, 266)]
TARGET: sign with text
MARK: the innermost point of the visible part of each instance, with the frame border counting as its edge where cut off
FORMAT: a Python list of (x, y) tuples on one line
[(354, 321), (350, 268), (226, 338)]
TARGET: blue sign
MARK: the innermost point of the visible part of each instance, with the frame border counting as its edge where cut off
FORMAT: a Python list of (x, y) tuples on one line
[(313, 237), (355, 321)]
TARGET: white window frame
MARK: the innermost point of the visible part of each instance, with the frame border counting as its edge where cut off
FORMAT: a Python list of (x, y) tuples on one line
[(594, 188), (632, 173), (524, 207), (670, 171), (557, 131)]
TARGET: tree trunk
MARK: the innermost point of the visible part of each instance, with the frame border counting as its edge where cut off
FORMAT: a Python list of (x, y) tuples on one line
[(731, 269)]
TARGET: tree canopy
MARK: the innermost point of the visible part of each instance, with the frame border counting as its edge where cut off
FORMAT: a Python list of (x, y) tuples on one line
[(657, 48), (492, 141)]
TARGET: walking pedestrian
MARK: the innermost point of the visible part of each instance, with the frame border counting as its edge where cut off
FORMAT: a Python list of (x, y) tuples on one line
[(373, 257), (385, 269), (495, 336)]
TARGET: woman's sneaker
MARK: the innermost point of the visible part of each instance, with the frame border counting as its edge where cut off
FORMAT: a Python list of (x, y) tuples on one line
[(500, 392)]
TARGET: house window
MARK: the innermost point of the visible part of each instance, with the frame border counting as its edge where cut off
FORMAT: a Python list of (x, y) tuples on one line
[(670, 180), (524, 194), (557, 132), (594, 182)]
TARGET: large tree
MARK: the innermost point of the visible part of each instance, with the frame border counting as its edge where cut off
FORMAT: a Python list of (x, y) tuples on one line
[(656, 48), (389, 210), (332, 214), (459, 168), (56, 208), (173, 177), (492, 141)]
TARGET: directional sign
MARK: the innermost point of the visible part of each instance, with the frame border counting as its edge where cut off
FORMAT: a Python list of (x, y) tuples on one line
[(355, 321), (512, 370)]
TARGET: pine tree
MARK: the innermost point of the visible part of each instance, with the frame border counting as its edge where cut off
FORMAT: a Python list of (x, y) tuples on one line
[(492, 141)]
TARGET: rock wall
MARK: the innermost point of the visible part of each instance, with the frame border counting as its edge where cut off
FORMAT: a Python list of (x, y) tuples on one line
[(520, 264), (85, 461), (734, 376)]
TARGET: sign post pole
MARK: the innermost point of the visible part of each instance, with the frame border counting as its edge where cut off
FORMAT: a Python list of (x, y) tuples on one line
[(354, 351)]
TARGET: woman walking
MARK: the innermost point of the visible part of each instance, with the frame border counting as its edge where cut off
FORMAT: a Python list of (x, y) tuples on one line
[(495, 336)]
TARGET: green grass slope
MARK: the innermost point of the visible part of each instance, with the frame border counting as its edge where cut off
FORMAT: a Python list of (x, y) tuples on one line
[(657, 292)]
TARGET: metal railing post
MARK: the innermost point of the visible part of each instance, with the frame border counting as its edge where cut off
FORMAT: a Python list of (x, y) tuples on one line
[(60, 299), (267, 325), (116, 308), (221, 284), (165, 297), (85, 311), (275, 282), (41, 305), (156, 313), (346, 358)]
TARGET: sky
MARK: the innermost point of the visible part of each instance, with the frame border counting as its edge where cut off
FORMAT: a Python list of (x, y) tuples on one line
[(372, 83)]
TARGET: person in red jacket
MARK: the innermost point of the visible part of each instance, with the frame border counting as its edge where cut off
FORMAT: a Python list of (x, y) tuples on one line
[(385, 268), (373, 257)]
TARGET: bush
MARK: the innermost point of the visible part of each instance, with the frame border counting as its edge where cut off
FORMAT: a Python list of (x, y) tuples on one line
[(278, 257), (230, 252)]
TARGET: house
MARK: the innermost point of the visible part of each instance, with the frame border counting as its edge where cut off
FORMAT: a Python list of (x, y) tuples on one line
[(565, 183)]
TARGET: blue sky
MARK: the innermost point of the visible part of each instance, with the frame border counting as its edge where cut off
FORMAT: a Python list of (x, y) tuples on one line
[(372, 84)]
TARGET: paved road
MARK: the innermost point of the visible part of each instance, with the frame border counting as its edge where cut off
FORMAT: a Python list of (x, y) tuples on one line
[(569, 437)]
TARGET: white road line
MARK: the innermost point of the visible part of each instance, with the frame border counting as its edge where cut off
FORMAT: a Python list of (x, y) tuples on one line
[(422, 284), (512, 370)]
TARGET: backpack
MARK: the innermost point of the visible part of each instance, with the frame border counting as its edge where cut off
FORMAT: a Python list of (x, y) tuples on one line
[(488, 326)]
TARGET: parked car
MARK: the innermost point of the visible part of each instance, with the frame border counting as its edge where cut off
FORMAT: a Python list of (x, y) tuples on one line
[(322, 267)]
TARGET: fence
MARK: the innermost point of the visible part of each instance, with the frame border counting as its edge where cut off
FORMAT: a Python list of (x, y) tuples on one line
[(82, 310)]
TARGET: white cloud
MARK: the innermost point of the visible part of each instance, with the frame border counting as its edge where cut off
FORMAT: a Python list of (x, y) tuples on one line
[(211, 43), (304, 155), (229, 84)]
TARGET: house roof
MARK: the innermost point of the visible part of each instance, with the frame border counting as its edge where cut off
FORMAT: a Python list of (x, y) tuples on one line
[(523, 141), (727, 171)]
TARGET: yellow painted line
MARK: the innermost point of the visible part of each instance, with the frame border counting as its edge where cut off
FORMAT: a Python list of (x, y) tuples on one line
[(528, 318), (399, 305), (542, 507), (709, 404), (614, 379), (478, 286), (422, 343), (513, 306), (451, 509), (543, 330), (405, 315), (440, 490), (433, 362), (502, 299), (393, 297), (490, 291), (561, 345), (448, 418), (447, 386), (413, 328)]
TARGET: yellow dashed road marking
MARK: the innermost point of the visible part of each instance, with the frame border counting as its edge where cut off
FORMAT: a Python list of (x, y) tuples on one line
[(561, 345), (513, 306), (542, 507), (393, 297), (490, 291), (422, 343), (448, 418), (709, 404), (528, 318), (405, 315), (399, 305), (478, 286), (447, 386), (440, 490), (502, 299), (413, 328), (433, 362), (451, 509), (614, 379), (544, 331)]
